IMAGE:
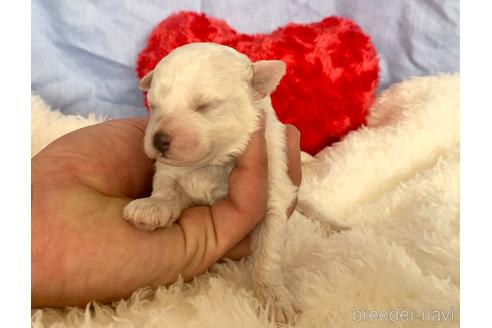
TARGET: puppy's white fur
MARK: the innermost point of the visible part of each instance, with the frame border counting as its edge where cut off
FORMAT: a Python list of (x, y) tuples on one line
[(207, 98)]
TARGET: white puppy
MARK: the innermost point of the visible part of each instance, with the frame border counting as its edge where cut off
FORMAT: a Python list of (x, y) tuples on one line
[(205, 101)]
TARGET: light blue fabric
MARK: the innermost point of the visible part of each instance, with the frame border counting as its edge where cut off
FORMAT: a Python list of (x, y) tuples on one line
[(84, 51)]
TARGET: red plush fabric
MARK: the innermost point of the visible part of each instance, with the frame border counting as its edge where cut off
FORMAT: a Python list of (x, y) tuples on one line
[(332, 69)]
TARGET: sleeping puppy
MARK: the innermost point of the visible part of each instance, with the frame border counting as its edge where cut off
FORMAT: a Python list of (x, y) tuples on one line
[(205, 102)]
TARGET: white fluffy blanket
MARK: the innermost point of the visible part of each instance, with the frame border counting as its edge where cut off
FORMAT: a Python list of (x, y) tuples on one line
[(395, 182)]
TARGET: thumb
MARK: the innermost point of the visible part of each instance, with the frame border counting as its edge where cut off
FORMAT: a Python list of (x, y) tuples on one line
[(210, 232)]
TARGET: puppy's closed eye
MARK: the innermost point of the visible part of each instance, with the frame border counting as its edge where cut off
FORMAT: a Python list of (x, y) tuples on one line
[(208, 105), (204, 107)]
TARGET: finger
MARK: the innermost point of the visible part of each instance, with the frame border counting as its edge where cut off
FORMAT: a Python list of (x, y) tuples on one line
[(244, 206), (242, 249), (294, 160), (208, 233), (294, 154)]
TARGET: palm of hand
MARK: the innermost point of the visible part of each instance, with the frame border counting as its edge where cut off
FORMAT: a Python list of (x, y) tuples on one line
[(83, 250)]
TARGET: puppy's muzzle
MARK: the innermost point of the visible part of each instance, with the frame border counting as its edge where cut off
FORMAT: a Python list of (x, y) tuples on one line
[(161, 142)]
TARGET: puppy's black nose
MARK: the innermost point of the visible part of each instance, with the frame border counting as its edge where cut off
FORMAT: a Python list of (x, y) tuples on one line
[(162, 141)]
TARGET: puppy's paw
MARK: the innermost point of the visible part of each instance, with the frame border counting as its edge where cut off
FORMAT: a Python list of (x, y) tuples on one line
[(280, 306), (149, 213), (284, 314)]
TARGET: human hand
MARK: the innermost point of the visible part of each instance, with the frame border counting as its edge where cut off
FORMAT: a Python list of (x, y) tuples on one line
[(83, 250)]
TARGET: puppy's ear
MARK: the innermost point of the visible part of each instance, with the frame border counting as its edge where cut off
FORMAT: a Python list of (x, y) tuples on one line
[(144, 83), (266, 76)]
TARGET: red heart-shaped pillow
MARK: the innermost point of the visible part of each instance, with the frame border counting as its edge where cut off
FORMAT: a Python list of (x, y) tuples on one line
[(332, 69)]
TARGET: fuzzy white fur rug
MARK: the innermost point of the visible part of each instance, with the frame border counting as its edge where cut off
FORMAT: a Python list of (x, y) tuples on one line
[(395, 182)]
